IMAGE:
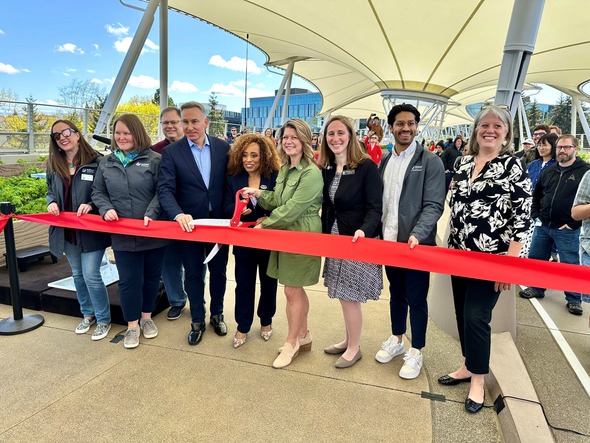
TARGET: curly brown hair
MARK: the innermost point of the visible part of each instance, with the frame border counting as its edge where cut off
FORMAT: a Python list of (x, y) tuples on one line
[(269, 159)]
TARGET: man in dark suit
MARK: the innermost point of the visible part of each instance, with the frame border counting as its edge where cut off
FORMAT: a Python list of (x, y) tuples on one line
[(191, 185)]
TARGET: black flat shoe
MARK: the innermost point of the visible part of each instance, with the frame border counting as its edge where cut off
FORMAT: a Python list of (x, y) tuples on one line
[(447, 380), (218, 324), (472, 407), (196, 334)]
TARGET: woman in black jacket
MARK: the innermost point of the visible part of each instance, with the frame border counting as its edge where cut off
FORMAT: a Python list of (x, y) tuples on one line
[(352, 205), (253, 162), (71, 170)]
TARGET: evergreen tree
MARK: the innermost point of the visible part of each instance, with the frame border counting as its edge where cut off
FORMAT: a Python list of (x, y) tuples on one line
[(156, 99), (216, 120)]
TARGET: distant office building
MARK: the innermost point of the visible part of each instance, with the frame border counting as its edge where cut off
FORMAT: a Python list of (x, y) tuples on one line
[(231, 117), (303, 104)]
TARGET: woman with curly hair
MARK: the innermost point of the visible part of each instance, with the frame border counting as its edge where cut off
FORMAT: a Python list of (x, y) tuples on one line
[(253, 162)]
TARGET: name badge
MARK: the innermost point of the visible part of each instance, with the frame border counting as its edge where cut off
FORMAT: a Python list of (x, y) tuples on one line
[(417, 168), (263, 187), (349, 172), (87, 177)]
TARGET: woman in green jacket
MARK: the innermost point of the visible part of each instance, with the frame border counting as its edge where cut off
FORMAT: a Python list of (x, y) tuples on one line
[(295, 203)]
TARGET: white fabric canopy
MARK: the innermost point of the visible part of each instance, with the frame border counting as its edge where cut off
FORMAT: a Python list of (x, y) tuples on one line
[(352, 49)]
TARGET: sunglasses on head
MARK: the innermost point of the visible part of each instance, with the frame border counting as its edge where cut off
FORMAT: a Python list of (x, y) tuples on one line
[(66, 133)]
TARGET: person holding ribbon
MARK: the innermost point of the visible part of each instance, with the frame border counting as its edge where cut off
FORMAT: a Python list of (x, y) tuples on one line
[(125, 186), (71, 170), (254, 162), (295, 204), (351, 206), (491, 201)]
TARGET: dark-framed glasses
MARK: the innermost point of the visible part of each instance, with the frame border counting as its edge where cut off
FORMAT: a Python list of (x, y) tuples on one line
[(565, 148), (170, 122), (66, 133)]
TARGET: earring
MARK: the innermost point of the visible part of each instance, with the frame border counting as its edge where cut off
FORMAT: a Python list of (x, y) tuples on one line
[(505, 142)]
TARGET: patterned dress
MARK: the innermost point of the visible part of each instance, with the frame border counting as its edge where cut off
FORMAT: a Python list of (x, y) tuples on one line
[(350, 280)]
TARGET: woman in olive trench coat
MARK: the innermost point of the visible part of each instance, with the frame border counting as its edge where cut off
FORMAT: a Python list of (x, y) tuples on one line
[(295, 203)]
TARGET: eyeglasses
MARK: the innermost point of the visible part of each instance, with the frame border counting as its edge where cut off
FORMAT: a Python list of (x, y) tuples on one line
[(565, 148), (539, 134), (170, 122), (66, 133)]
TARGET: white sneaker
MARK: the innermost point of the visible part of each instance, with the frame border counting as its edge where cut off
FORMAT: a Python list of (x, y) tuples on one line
[(131, 338), (389, 349), (412, 364), (101, 331)]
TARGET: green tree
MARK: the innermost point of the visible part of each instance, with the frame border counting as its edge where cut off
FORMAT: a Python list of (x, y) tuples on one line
[(146, 110), (534, 114), (216, 120), (156, 99)]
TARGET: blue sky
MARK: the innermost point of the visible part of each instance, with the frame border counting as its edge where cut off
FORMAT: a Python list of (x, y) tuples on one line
[(44, 45)]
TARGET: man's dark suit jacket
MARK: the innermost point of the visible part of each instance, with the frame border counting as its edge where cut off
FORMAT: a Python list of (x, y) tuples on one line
[(181, 188)]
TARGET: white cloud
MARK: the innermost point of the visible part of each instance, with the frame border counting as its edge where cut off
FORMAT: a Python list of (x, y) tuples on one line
[(95, 46), (2, 32), (261, 85), (183, 87), (8, 69), (69, 47), (25, 70), (96, 80), (144, 81), (123, 44), (235, 64), (151, 45), (91, 71), (117, 29), (71, 70), (236, 89), (52, 102)]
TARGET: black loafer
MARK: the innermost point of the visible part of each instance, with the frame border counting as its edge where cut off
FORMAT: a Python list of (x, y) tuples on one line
[(174, 312), (196, 334), (472, 407), (447, 380), (218, 324)]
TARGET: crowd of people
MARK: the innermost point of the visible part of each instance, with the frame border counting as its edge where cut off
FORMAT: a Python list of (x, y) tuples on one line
[(327, 183)]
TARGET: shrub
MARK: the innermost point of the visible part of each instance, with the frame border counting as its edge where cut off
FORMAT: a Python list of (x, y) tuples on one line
[(26, 193)]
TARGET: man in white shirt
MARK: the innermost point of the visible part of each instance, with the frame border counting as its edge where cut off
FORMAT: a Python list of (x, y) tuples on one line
[(413, 199)]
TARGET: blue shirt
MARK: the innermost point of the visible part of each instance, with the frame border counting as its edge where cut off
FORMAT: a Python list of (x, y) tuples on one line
[(203, 159)]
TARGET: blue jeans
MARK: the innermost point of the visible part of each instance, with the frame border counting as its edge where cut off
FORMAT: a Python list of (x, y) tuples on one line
[(90, 289), (173, 275), (567, 242), (585, 261)]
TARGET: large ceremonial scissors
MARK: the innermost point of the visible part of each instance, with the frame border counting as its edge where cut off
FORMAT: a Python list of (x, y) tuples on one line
[(234, 222)]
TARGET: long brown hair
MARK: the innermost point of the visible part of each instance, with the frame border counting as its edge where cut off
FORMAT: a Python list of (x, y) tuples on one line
[(140, 136), (269, 159), (57, 161), (354, 152)]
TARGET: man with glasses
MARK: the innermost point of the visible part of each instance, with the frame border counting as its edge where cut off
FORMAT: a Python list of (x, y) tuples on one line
[(553, 198), (172, 271), (413, 199), (538, 132)]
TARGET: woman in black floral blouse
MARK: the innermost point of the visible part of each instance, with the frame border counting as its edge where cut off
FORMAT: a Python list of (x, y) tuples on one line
[(491, 200)]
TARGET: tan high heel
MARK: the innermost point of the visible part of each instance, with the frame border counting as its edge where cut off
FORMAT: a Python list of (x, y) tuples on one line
[(305, 342), (288, 353)]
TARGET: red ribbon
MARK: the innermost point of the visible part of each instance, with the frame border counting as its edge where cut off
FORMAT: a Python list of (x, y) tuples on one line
[(427, 258)]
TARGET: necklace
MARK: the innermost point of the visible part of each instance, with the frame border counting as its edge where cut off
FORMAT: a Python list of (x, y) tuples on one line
[(71, 165)]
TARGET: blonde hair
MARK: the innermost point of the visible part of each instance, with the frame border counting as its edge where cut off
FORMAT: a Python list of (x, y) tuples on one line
[(505, 117), (303, 134)]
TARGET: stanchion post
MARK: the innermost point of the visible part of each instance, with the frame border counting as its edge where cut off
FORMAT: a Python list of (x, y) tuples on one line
[(18, 324)]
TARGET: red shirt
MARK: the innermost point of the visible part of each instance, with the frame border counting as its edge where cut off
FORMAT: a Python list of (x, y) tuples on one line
[(375, 152)]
